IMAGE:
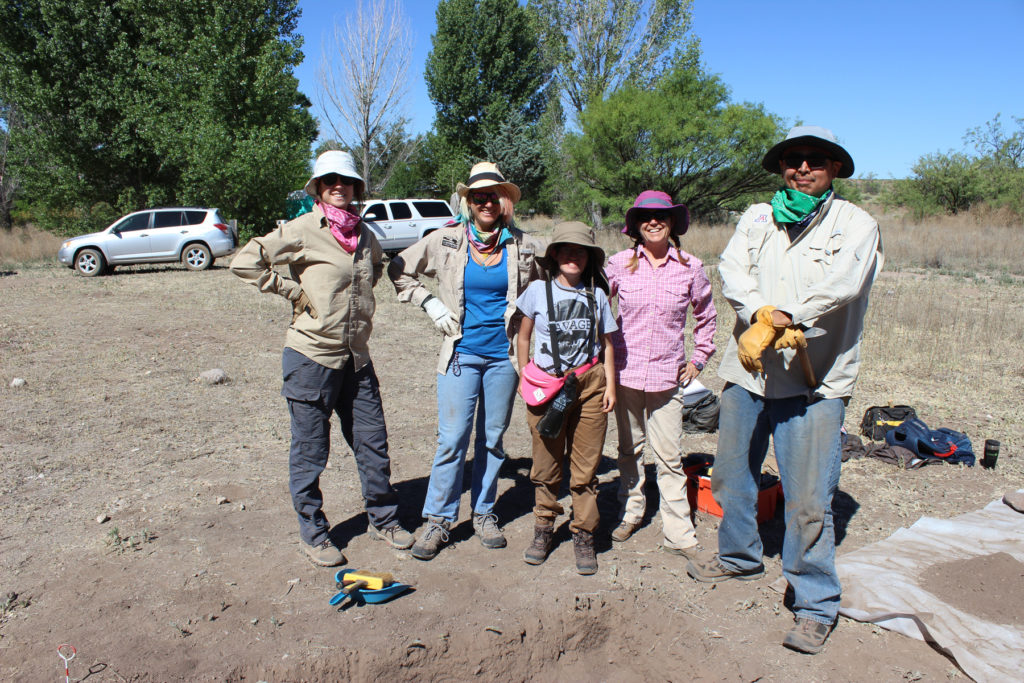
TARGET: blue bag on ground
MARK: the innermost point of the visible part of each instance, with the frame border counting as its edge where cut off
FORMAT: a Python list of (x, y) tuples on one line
[(942, 444)]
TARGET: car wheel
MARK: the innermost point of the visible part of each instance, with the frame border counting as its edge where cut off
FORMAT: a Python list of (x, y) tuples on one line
[(90, 263), (196, 257)]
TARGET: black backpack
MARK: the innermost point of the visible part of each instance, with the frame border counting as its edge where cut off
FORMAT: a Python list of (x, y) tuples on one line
[(878, 420)]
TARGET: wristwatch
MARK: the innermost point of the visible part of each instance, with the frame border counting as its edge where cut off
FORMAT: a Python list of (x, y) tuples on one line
[(697, 364)]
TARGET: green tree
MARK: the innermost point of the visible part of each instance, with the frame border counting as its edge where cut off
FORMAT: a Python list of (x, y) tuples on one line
[(948, 183), (486, 78), (597, 46), (682, 137), (130, 103)]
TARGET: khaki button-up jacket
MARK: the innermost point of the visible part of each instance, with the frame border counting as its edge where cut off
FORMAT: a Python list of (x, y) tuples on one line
[(443, 254), (821, 279), (339, 286)]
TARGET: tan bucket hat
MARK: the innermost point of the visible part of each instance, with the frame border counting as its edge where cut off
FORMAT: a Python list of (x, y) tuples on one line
[(486, 174), (575, 232)]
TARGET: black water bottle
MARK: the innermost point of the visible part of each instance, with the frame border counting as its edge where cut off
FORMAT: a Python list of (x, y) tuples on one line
[(551, 423)]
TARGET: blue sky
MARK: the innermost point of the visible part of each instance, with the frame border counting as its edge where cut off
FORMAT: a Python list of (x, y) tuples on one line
[(894, 79)]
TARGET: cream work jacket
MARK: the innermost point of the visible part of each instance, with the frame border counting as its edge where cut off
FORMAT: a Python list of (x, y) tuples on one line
[(443, 255), (303, 256), (821, 279)]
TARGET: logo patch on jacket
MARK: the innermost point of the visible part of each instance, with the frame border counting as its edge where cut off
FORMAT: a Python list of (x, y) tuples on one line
[(450, 242), (763, 218)]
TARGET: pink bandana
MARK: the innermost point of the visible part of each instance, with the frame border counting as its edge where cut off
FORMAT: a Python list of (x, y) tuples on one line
[(344, 225)]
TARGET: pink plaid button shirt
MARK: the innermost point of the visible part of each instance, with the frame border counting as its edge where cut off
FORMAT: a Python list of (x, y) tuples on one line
[(649, 345)]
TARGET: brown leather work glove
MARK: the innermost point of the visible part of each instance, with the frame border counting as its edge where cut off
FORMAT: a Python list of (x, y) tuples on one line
[(752, 344), (301, 305), (791, 338)]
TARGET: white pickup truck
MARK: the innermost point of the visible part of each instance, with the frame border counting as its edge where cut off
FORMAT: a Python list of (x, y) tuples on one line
[(398, 223)]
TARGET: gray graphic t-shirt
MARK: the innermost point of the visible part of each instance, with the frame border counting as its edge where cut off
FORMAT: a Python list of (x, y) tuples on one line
[(577, 344)]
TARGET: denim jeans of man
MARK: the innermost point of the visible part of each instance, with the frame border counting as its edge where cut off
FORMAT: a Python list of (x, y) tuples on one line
[(477, 388), (314, 392), (807, 448)]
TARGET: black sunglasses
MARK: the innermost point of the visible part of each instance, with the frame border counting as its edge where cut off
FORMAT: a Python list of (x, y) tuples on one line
[(481, 198), (815, 160), (657, 215), (331, 179)]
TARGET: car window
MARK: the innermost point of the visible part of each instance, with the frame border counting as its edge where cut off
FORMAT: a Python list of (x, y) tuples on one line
[(139, 221), (432, 209), (195, 217), (166, 219), (376, 212), (400, 211)]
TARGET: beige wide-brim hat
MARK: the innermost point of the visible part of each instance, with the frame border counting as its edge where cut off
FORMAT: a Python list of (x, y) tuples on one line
[(484, 175), (809, 136), (575, 232), (334, 161)]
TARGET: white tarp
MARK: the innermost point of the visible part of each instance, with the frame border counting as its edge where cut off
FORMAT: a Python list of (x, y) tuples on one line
[(880, 586)]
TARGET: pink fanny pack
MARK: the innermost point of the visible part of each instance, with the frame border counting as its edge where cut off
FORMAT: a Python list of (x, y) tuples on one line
[(538, 387)]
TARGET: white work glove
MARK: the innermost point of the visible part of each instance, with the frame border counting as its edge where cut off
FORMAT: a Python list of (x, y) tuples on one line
[(443, 319)]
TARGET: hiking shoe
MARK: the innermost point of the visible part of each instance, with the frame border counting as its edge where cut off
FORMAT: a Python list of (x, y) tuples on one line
[(586, 559), (808, 636), (543, 539), (324, 554), (433, 537), (712, 571), (395, 536), (624, 530), (689, 553), (486, 527)]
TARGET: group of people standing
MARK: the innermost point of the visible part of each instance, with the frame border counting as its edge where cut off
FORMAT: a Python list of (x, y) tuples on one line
[(516, 312)]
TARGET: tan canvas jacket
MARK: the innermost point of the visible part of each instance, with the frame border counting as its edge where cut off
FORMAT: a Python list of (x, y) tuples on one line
[(822, 279), (443, 254), (339, 286)]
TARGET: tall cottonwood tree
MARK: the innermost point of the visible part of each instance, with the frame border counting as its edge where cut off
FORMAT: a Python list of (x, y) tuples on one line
[(490, 85), (596, 46), (363, 77), (131, 103)]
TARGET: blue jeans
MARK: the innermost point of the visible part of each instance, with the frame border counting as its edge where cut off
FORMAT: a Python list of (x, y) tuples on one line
[(807, 448), (479, 387)]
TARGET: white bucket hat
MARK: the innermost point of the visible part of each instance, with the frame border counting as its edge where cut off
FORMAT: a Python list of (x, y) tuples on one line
[(486, 174), (334, 161), (811, 136)]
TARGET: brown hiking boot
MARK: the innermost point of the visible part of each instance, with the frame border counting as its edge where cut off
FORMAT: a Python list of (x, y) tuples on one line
[(434, 536), (713, 571), (586, 559), (624, 530), (543, 539), (324, 554), (808, 636)]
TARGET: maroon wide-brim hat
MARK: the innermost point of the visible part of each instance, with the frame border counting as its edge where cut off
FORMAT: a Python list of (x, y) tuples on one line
[(653, 200)]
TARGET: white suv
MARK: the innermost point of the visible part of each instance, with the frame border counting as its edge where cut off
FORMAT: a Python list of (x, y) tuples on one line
[(399, 223), (192, 235)]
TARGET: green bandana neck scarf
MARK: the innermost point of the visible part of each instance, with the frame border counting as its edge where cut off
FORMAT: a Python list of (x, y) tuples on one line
[(792, 206)]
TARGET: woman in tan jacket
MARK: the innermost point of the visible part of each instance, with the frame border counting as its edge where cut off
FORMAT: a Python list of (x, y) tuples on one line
[(332, 263)]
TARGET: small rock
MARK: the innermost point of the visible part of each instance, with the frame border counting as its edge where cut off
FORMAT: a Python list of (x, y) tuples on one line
[(214, 376), (241, 506), (17, 382), (221, 500), (100, 519)]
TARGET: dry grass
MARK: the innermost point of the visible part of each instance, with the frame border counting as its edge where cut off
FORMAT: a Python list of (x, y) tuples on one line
[(24, 245)]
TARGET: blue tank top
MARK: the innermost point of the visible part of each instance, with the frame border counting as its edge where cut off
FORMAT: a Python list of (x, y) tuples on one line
[(483, 327)]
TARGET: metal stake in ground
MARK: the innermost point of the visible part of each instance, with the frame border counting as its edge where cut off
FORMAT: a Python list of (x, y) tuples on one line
[(61, 649)]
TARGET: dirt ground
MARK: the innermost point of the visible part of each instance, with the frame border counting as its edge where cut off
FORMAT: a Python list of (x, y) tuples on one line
[(196, 573)]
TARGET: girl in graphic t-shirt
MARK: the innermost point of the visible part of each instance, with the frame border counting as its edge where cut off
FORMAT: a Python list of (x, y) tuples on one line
[(582, 319)]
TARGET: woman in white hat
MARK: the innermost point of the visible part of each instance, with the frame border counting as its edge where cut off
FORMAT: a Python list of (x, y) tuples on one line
[(482, 262), (332, 262)]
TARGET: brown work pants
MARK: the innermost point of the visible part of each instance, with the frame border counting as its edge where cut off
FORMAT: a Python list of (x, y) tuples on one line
[(581, 441)]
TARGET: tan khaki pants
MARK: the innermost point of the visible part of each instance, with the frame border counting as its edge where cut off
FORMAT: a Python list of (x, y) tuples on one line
[(581, 441), (654, 418)]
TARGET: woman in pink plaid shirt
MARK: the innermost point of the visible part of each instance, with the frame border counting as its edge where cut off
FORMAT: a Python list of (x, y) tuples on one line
[(656, 283)]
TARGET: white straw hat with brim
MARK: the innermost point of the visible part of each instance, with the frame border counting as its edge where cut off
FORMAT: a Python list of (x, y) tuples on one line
[(334, 161), (809, 136), (484, 175), (575, 232)]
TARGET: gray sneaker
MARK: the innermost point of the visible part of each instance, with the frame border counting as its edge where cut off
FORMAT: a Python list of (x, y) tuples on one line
[(324, 554), (808, 636), (395, 536), (486, 527), (433, 537)]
